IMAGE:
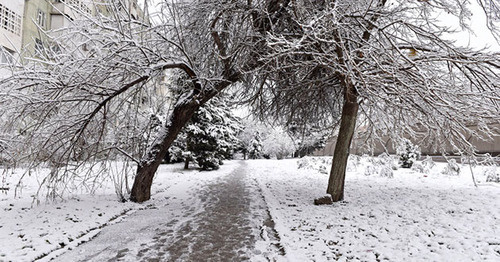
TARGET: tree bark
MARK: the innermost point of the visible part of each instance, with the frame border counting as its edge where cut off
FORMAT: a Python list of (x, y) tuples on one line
[(141, 190), (343, 144)]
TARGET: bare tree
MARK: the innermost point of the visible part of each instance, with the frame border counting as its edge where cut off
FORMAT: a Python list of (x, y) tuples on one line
[(389, 66), (83, 98)]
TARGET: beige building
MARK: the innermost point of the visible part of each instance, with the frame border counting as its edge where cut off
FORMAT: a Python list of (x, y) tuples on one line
[(360, 146), (23, 22), (11, 30)]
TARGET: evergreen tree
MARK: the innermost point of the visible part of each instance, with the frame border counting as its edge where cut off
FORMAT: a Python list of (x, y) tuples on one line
[(255, 149), (209, 138)]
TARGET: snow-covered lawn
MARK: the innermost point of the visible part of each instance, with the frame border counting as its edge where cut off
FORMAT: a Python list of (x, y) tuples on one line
[(413, 216), (29, 231)]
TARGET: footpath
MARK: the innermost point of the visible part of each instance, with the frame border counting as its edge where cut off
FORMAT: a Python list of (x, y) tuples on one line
[(223, 220)]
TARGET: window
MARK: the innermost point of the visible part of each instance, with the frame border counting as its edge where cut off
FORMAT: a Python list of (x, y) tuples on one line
[(77, 4), (41, 18), (9, 20), (38, 47), (6, 56)]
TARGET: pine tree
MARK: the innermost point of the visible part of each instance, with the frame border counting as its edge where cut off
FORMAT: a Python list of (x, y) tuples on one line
[(210, 137)]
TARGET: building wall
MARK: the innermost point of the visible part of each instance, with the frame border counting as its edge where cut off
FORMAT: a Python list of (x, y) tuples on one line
[(36, 16), (11, 14), (359, 146), (57, 14)]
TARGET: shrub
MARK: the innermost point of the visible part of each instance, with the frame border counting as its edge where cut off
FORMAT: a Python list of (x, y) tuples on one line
[(491, 174), (490, 169), (451, 168), (428, 164), (408, 153), (386, 171), (417, 167)]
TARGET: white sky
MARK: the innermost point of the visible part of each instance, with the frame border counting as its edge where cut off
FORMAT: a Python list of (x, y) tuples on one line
[(480, 37)]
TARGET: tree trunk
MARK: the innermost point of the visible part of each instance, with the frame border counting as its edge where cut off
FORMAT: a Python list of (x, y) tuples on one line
[(343, 144), (141, 190), (186, 163), (183, 111)]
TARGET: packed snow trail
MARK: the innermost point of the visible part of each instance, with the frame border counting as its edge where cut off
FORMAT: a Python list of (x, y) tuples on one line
[(222, 219)]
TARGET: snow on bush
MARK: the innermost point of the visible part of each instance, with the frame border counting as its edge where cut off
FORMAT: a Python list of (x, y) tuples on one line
[(320, 164), (428, 164), (278, 144), (490, 170), (491, 174), (452, 168), (383, 165), (386, 171), (370, 170), (353, 163), (408, 153), (417, 167)]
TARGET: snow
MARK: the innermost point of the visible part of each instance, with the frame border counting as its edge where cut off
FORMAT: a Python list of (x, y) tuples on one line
[(412, 216), (29, 231)]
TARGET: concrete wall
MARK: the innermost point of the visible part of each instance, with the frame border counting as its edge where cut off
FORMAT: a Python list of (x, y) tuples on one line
[(8, 39), (30, 23), (359, 146)]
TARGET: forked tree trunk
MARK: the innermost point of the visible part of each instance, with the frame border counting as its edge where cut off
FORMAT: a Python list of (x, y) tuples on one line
[(343, 144), (141, 190)]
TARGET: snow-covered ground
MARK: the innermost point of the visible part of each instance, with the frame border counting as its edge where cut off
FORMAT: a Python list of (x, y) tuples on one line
[(412, 216), (30, 231)]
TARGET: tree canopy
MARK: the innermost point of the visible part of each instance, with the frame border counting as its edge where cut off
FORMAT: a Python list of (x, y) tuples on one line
[(391, 66)]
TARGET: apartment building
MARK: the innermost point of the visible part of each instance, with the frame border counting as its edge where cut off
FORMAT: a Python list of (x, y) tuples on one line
[(11, 30), (22, 22)]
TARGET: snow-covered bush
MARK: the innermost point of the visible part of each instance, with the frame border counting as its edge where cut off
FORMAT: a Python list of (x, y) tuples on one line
[(452, 168), (417, 167), (383, 165), (353, 162), (386, 171), (428, 164), (491, 174), (320, 164), (370, 170), (278, 144), (408, 153), (490, 170), (387, 160)]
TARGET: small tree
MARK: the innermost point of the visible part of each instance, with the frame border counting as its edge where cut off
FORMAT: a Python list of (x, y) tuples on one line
[(278, 144), (211, 134), (255, 147), (408, 153), (250, 138)]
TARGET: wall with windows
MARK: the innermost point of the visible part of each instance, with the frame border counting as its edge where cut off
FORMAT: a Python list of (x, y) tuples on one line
[(36, 18), (11, 13)]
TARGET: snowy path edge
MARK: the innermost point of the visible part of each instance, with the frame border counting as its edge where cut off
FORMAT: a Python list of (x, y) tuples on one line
[(86, 237)]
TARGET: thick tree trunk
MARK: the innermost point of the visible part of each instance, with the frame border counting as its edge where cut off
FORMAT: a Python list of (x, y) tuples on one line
[(343, 144), (186, 163), (141, 190)]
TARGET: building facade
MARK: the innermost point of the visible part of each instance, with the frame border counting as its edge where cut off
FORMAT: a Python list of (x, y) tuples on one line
[(11, 30), (23, 22)]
